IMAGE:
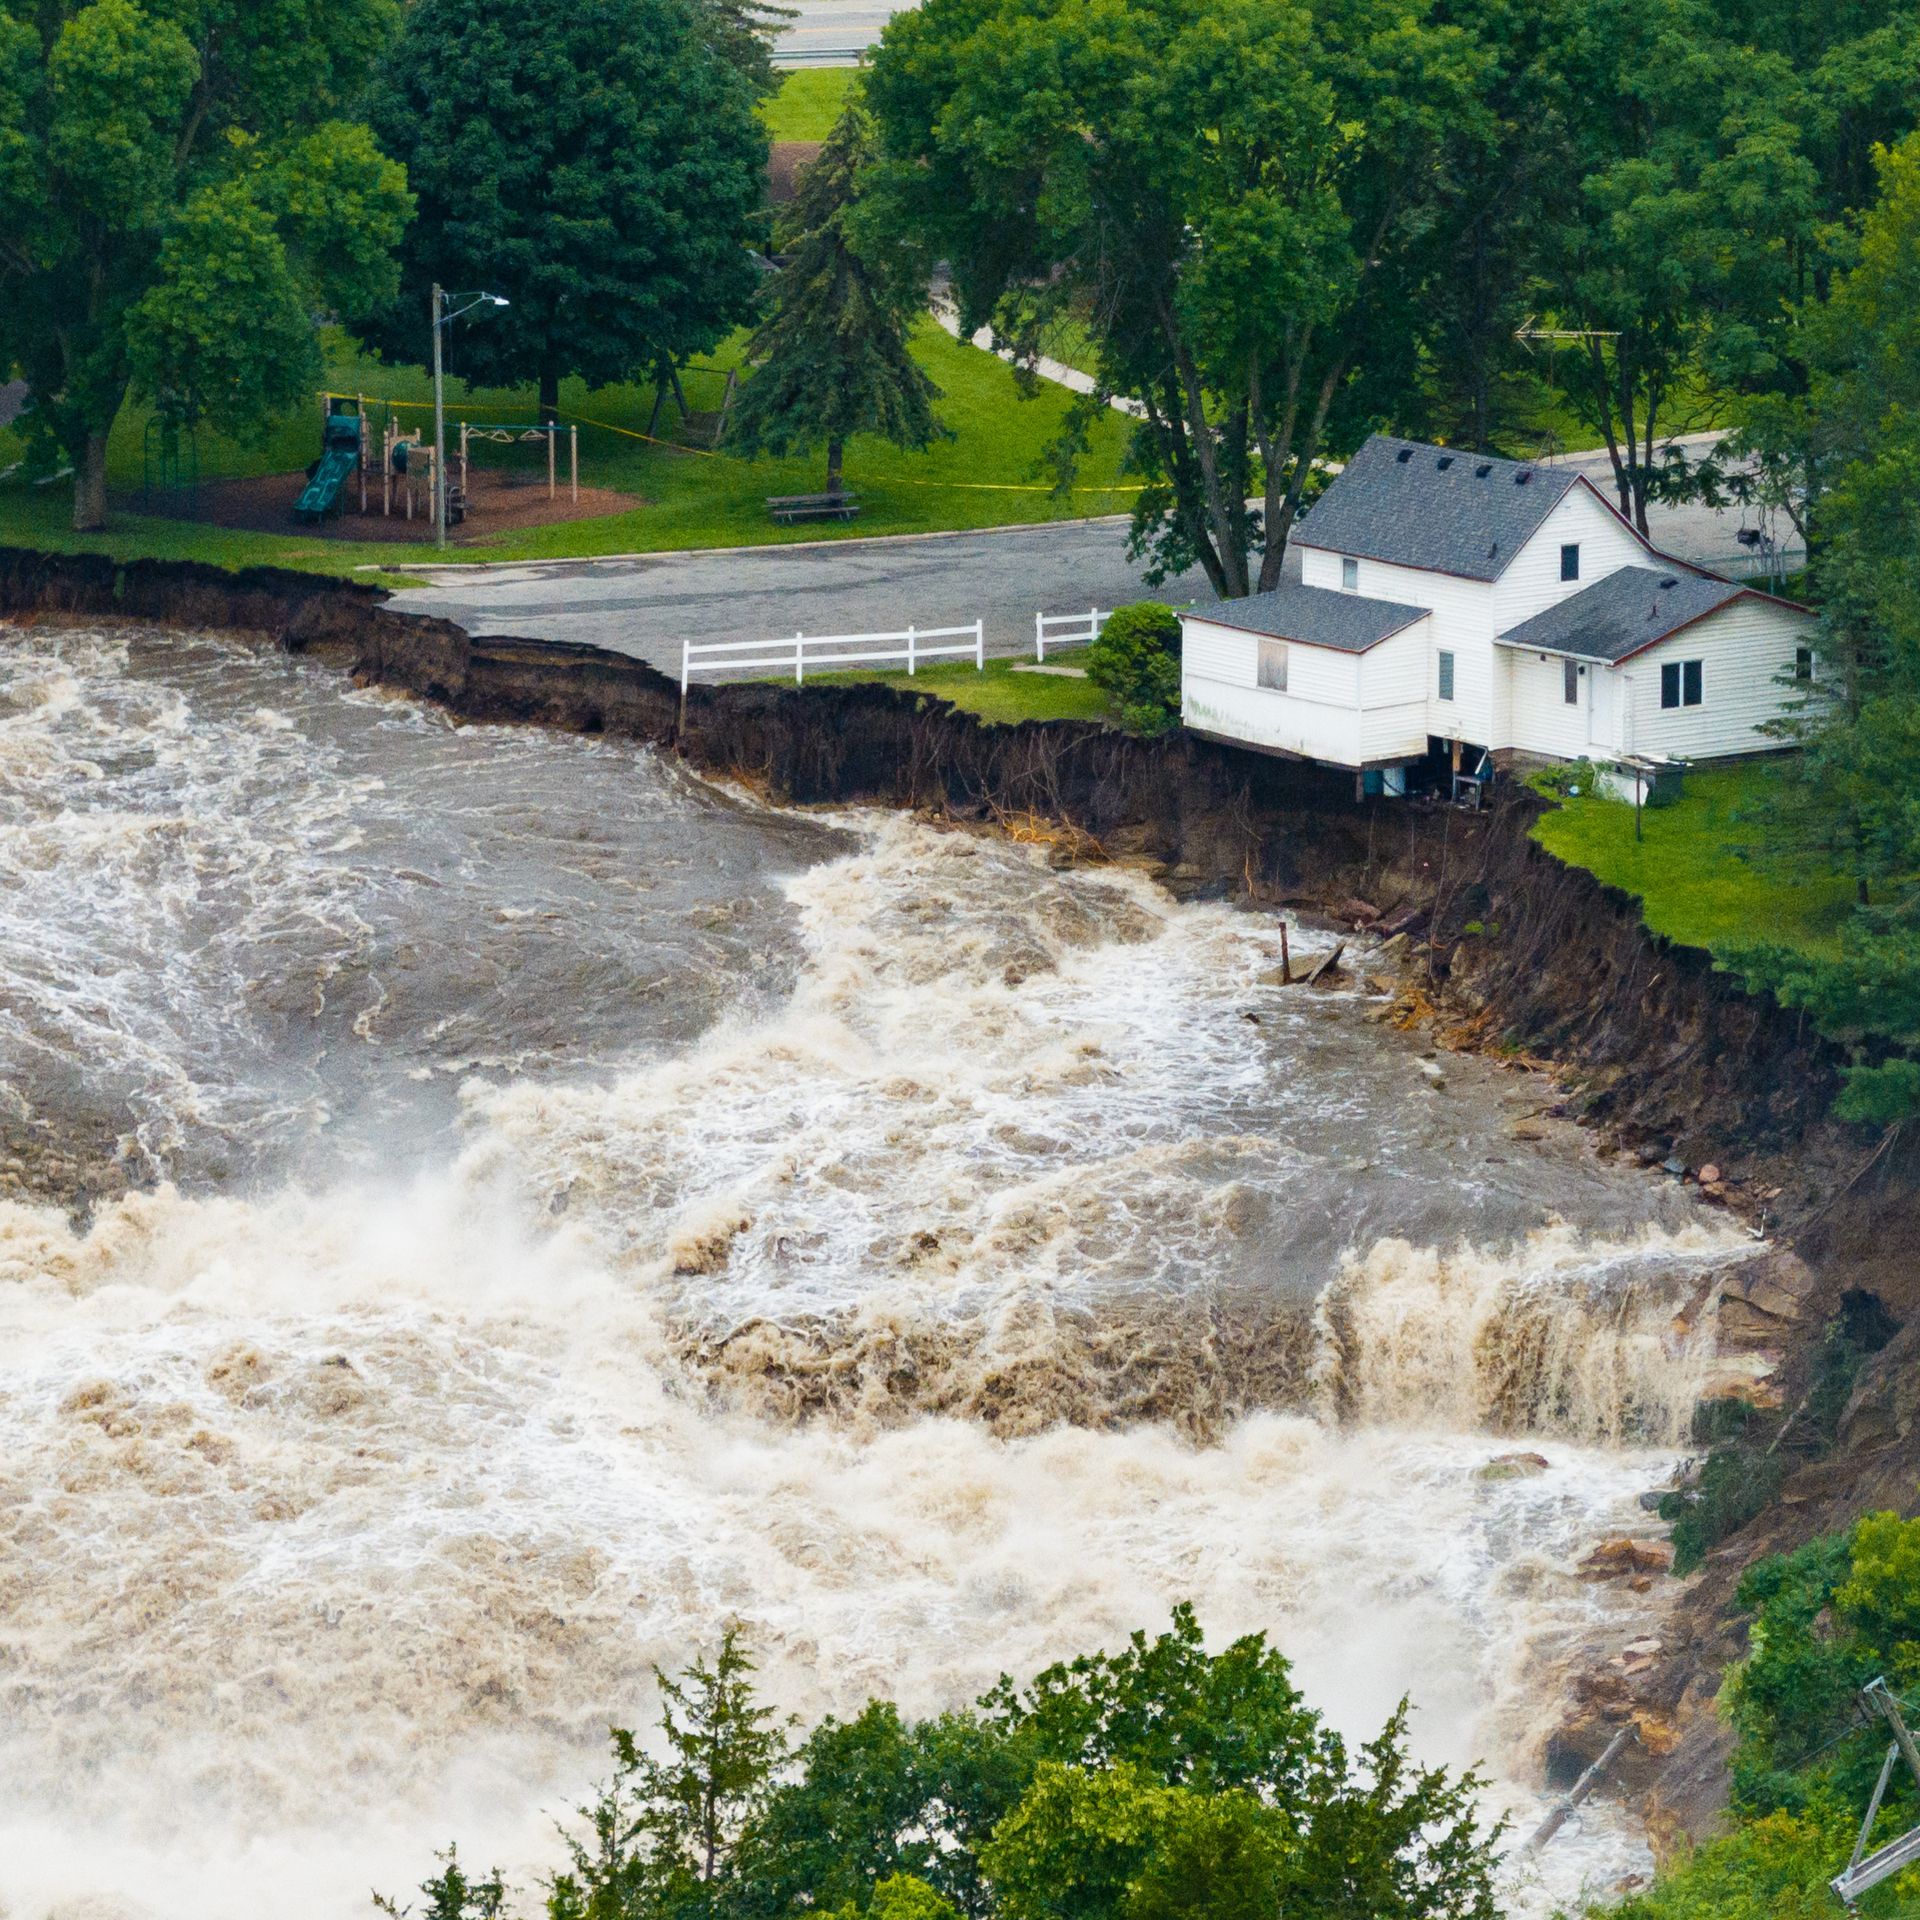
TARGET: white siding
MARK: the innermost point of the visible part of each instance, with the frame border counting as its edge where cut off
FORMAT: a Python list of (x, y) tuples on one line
[(1393, 691), (1221, 654), (1319, 569), (1742, 649), (1319, 716), (1462, 624), (1543, 722), (1468, 613), (1532, 583)]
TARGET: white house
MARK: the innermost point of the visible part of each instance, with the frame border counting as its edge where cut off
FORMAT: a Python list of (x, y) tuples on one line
[(1452, 602)]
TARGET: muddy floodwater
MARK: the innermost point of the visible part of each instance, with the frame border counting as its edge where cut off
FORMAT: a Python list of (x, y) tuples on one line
[(479, 1210)]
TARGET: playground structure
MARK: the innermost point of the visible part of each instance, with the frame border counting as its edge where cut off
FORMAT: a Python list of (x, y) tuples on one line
[(709, 429), (169, 460), (408, 464), (511, 435)]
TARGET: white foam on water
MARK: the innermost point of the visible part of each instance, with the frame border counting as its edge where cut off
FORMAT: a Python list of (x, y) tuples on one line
[(323, 1558), (338, 1519)]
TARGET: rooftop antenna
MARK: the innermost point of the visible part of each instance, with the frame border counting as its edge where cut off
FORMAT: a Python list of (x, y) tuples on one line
[(1861, 1875)]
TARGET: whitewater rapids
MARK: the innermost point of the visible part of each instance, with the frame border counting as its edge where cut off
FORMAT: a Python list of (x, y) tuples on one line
[(485, 1210)]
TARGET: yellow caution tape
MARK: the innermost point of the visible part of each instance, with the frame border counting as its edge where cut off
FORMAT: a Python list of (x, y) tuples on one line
[(705, 453)]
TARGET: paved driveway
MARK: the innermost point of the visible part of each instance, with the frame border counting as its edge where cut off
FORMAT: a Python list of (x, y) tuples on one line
[(646, 607)]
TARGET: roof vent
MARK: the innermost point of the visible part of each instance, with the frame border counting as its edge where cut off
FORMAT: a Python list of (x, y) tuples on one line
[(1521, 478), (1404, 455), (1483, 469), (1444, 462), (1668, 583)]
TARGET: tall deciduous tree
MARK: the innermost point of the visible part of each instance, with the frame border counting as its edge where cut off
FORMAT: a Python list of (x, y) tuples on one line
[(1850, 795), (1227, 195), (598, 164), (1716, 153), (833, 356), (182, 192)]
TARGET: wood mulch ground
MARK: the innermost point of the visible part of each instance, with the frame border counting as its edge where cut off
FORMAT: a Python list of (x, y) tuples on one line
[(500, 502)]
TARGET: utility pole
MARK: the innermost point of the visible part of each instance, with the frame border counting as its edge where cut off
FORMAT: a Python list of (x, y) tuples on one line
[(1861, 1875), (442, 319), (439, 424)]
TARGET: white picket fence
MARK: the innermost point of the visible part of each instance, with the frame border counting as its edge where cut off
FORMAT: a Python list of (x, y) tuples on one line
[(1067, 629), (825, 651)]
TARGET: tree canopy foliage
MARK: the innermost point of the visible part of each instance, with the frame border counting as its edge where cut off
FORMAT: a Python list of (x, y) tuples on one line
[(185, 187), (1827, 1618), (1230, 192), (1854, 794), (599, 166), (1158, 1783), (1281, 223)]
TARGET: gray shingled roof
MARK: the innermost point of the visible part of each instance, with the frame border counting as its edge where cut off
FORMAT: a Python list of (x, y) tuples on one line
[(1622, 613), (1315, 616), (1418, 506)]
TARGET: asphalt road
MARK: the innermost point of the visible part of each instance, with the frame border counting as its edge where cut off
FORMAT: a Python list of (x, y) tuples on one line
[(830, 33), (825, 29), (648, 606)]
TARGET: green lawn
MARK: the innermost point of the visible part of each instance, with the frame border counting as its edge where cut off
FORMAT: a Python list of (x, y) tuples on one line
[(809, 102), (997, 693), (984, 476), (1693, 884)]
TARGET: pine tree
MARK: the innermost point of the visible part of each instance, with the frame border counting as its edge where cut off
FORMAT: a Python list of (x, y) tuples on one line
[(661, 1833), (723, 1748), (832, 359)]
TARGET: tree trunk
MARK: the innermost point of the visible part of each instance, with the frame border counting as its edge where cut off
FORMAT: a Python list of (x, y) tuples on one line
[(835, 450), (549, 393), (90, 486)]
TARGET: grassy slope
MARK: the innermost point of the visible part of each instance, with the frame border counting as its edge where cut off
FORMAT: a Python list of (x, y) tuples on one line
[(998, 693), (984, 476), (1693, 885), (809, 102)]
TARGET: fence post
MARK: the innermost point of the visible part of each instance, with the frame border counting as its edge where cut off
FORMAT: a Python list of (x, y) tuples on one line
[(799, 659), (910, 633), (686, 673), (1040, 637), (1093, 625), (980, 645)]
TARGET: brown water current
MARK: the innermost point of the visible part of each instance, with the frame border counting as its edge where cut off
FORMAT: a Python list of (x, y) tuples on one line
[(479, 1210)]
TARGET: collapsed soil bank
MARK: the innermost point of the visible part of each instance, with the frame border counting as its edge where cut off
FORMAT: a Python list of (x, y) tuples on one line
[(1669, 1054), (1518, 951)]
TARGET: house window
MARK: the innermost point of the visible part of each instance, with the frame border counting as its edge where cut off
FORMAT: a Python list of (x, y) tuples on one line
[(1570, 561), (1803, 663), (1273, 665), (1446, 676), (1570, 682), (1350, 574), (1680, 684)]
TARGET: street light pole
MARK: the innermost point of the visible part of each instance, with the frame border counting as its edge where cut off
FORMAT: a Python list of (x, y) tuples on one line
[(439, 425), (442, 319)]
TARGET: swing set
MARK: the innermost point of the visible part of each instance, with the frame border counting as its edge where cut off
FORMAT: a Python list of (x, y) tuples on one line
[(516, 435), (407, 464)]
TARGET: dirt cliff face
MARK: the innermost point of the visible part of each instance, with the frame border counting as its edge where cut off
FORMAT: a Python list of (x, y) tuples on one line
[(1507, 948)]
